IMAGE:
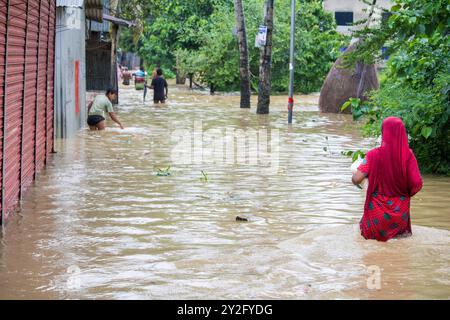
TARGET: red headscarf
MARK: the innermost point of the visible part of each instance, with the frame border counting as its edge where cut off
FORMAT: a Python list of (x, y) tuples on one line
[(393, 169)]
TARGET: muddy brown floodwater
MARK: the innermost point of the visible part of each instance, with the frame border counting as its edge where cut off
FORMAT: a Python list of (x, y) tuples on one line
[(100, 223)]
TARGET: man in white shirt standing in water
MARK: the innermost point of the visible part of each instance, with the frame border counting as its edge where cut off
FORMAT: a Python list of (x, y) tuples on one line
[(97, 109)]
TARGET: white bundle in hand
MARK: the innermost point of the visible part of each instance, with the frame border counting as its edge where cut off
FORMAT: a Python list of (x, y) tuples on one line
[(354, 167)]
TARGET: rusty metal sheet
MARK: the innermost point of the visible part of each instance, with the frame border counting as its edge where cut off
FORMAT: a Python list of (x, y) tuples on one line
[(29, 92)]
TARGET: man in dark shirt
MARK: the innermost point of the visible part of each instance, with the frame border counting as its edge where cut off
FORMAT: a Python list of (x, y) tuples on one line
[(159, 85)]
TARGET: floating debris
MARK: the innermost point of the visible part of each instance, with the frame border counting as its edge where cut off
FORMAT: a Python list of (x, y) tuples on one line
[(163, 172), (238, 218), (327, 148), (204, 177)]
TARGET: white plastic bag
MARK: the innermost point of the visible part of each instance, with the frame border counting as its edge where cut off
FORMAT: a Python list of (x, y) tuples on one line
[(354, 167)]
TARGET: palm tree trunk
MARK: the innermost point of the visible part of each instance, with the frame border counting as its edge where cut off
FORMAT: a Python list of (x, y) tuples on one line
[(243, 54), (265, 62)]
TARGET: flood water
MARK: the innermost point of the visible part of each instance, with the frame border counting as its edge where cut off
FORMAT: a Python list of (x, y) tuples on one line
[(100, 223)]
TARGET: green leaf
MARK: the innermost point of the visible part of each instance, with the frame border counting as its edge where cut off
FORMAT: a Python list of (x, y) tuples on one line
[(421, 29), (426, 132), (347, 153), (355, 102), (357, 114), (345, 105), (396, 7)]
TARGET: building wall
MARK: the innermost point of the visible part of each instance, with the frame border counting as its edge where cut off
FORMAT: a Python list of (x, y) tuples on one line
[(70, 75), (27, 35), (355, 6), (101, 52)]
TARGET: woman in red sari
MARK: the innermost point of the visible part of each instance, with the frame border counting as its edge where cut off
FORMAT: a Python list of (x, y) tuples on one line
[(394, 177)]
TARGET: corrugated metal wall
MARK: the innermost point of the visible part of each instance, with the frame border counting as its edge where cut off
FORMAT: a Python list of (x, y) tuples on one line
[(94, 25), (98, 65), (27, 35), (98, 53)]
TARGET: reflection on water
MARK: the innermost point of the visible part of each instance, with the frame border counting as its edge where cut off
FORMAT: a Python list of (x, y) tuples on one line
[(99, 222)]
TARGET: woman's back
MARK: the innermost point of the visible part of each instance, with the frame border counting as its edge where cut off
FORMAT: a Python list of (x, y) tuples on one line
[(394, 177)]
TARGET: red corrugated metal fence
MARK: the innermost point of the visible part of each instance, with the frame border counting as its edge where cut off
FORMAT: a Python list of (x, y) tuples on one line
[(27, 35)]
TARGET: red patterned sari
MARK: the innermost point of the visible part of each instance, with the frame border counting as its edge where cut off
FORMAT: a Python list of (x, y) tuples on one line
[(394, 177)]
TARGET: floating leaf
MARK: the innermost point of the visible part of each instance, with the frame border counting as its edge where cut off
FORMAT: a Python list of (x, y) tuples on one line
[(163, 172), (347, 153), (205, 176)]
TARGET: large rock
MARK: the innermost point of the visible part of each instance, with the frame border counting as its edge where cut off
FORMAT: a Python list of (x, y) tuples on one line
[(342, 84)]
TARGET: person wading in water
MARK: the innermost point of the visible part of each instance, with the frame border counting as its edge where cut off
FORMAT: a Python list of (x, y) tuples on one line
[(97, 109), (159, 85), (394, 177)]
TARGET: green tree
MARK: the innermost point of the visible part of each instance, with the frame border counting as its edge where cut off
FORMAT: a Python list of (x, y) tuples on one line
[(216, 62), (317, 46), (166, 25), (201, 32), (416, 83)]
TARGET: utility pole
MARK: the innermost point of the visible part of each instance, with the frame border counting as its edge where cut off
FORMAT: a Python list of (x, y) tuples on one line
[(291, 64)]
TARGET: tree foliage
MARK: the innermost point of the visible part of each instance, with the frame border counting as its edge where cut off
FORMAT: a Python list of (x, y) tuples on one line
[(197, 37), (317, 46), (165, 26), (416, 83)]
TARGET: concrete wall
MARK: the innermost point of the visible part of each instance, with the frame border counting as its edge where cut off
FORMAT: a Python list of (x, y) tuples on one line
[(355, 6), (70, 108)]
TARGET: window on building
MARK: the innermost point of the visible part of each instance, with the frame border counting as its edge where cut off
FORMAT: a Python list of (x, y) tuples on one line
[(343, 18)]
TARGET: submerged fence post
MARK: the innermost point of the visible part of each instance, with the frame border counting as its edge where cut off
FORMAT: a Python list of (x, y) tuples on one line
[(291, 64)]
